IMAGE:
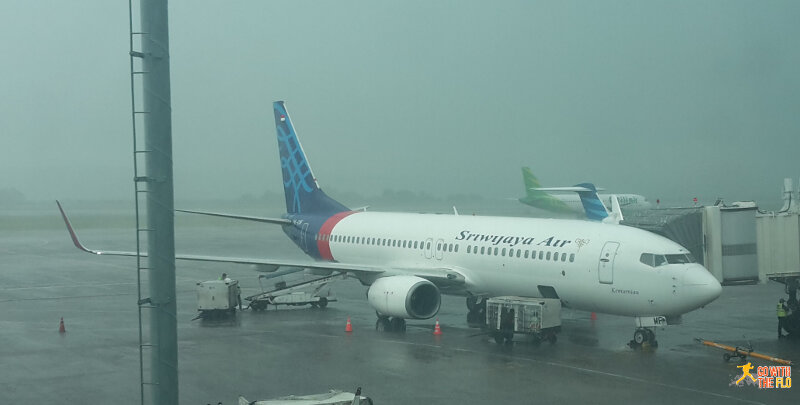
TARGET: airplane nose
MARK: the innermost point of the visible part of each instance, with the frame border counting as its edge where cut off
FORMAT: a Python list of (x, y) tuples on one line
[(702, 284)]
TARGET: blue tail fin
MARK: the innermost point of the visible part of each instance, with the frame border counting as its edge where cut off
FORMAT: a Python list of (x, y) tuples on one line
[(595, 210), (303, 195)]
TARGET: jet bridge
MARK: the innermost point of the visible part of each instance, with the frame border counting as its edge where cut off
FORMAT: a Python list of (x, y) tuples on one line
[(722, 237)]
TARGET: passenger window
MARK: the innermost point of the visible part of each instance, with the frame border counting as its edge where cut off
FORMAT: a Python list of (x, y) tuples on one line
[(548, 255), (416, 243), (469, 249), (563, 257), (526, 254), (438, 247), (456, 248), (503, 252), (495, 251), (571, 257), (510, 252), (541, 255), (428, 245), (450, 247), (555, 256), (483, 249), (519, 253)]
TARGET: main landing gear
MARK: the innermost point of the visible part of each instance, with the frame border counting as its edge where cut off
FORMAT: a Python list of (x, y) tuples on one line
[(390, 324), (642, 336), (477, 311)]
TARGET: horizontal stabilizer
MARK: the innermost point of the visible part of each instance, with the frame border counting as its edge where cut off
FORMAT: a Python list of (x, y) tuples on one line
[(566, 189)]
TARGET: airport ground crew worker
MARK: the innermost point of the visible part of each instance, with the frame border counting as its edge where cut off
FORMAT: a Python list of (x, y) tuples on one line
[(782, 312)]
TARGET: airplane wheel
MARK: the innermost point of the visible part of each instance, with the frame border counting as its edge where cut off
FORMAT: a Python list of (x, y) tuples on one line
[(382, 325), (552, 338), (499, 338), (323, 302), (398, 325), (471, 303), (640, 336)]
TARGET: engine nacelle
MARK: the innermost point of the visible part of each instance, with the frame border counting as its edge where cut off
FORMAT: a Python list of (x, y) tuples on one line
[(408, 297)]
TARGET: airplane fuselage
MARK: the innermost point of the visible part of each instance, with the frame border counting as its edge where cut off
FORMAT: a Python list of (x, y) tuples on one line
[(589, 266), (626, 201)]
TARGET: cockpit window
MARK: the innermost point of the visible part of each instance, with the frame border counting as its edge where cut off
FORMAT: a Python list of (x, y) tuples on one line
[(680, 259), (647, 258), (654, 260)]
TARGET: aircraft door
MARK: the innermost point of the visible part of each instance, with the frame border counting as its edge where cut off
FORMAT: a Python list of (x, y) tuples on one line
[(440, 246), (428, 248), (605, 268)]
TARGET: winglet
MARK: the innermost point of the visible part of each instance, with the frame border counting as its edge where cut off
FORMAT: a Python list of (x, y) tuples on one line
[(72, 233), (616, 212)]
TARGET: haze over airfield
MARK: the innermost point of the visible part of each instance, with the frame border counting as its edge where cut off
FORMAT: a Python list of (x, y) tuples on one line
[(671, 100)]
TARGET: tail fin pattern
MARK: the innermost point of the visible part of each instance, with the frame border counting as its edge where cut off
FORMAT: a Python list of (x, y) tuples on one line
[(303, 195), (531, 182), (540, 199), (595, 210)]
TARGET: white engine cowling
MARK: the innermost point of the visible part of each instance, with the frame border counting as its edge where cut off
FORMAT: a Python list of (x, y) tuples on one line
[(408, 297)]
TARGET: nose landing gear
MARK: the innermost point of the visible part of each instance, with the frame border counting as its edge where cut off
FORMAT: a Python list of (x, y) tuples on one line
[(643, 336)]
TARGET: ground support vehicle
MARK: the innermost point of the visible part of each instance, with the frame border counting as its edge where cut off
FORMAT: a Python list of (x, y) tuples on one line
[(538, 317), (218, 298), (312, 292)]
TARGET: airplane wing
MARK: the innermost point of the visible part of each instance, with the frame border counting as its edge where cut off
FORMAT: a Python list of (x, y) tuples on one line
[(279, 221), (444, 277)]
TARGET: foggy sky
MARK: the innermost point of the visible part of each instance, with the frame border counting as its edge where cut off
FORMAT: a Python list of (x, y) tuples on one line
[(669, 99)]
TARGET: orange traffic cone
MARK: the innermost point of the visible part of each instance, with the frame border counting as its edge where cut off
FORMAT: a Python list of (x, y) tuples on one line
[(594, 316), (61, 328), (436, 329), (349, 327)]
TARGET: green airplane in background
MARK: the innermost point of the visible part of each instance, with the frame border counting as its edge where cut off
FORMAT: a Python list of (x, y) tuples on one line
[(571, 203), (540, 199)]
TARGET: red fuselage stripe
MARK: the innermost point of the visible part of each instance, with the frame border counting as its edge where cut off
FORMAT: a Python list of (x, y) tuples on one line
[(326, 229)]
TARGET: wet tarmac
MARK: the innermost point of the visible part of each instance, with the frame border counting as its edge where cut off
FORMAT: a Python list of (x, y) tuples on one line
[(302, 351)]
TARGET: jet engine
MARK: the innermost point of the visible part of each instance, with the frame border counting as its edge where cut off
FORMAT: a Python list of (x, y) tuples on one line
[(408, 297)]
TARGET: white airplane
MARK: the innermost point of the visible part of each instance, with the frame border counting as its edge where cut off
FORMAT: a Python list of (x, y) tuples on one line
[(409, 259), (543, 197)]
